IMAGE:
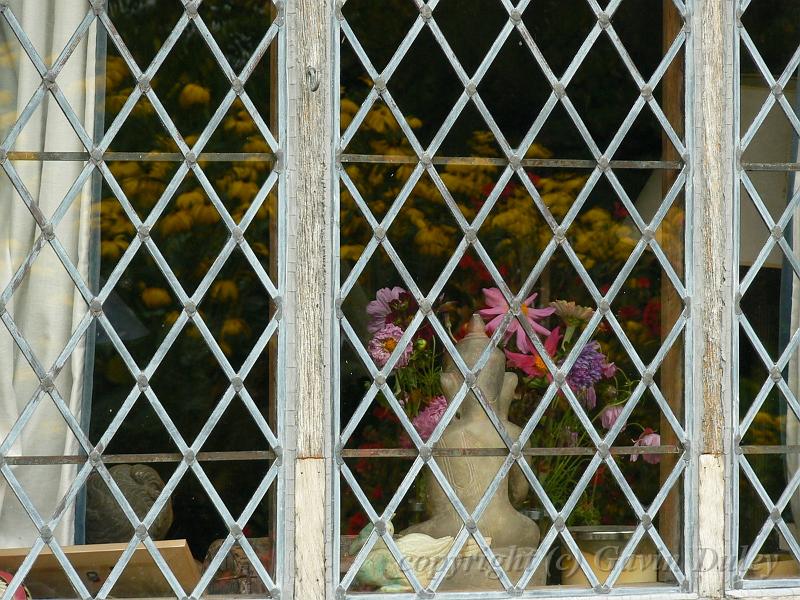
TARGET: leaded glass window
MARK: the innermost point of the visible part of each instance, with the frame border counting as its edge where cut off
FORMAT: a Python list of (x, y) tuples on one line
[(512, 297), (765, 410), (141, 411)]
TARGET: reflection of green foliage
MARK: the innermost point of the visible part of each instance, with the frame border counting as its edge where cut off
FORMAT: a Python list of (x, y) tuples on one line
[(190, 234)]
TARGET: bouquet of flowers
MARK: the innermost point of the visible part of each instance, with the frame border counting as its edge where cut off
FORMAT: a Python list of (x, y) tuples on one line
[(601, 387)]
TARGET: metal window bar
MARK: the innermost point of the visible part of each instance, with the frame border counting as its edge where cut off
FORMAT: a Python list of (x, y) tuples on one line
[(96, 155), (425, 159)]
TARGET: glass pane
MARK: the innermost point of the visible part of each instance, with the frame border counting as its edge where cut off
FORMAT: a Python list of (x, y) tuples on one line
[(512, 253), (767, 425), (139, 261)]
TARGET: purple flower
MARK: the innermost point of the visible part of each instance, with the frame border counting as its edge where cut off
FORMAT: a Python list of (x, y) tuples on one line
[(610, 415), (588, 370), (425, 422), (380, 308), (384, 342), (648, 438)]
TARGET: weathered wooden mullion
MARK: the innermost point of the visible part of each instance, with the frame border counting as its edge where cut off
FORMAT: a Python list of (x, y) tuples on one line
[(711, 117), (308, 307)]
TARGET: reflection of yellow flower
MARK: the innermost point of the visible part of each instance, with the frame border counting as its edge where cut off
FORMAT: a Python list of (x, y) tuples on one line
[(143, 108), (351, 251), (112, 249), (244, 191), (234, 327), (205, 214), (116, 72), (193, 94), (176, 222), (124, 169), (116, 371), (434, 240), (599, 238), (225, 290), (190, 199), (380, 119), (156, 297), (348, 111), (256, 145), (160, 170), (170, 318), (765, 430), (239, 121)]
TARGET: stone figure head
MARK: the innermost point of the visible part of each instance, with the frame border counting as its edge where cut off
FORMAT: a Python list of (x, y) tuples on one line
[(492, 378)]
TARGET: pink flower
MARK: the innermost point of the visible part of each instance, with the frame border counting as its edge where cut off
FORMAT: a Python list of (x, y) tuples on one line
[(425, 422), (381, 307), (610, 415), (570, 437), (609, 370), (384, 342), (590, 398), (532, 364), (497, 307), (648, 438)]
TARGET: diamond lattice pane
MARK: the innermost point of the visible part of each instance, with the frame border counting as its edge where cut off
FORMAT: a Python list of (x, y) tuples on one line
[(512, 299), (139, 297), (767, 410)]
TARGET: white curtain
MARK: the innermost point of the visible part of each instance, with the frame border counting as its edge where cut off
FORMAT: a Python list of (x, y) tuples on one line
[(46, 307)]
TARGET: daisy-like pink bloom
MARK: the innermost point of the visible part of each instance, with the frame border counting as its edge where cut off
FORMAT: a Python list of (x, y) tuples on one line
[(610, 415), (384, 342), (648, 438), (425, 422), (380, 308), (532, 364), (497, 307)]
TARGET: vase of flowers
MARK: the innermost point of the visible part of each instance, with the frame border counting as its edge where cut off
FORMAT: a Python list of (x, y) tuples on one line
[(599, 385)]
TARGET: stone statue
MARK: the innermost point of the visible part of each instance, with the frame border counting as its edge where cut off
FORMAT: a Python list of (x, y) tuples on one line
[(470, 476), (105, 521), (423, 553)]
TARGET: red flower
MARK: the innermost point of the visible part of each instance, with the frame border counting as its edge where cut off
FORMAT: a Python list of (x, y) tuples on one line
[(628, 312), (384, 414), (376, 493), (651, 316), (620, 212), (599, 475), (356, 523), (532, 364)]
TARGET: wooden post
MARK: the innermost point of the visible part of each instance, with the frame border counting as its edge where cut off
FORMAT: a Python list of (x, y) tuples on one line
[(712, 180), (308, 307), (671, 239)]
